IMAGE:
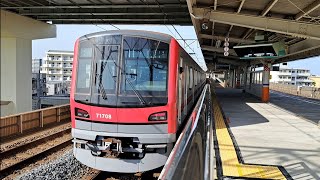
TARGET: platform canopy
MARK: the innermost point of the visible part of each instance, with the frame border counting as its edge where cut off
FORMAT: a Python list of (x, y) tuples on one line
[(102, 11), (296, 23)]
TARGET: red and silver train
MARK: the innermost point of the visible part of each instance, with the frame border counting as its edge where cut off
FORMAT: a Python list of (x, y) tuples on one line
[(131, 93)]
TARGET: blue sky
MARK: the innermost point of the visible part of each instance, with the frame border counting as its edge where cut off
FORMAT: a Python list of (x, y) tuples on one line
[(67, 35)]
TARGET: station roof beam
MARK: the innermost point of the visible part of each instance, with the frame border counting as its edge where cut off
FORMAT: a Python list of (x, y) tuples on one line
[(283, 26), (308, 9), (293, 24), (102, 11)]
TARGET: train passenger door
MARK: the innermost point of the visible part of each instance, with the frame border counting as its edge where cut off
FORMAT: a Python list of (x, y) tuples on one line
[(191, 86), (186, 86), (180, 96)]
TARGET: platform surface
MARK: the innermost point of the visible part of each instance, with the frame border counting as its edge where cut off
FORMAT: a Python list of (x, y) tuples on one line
[(270, 134), (304, 107)]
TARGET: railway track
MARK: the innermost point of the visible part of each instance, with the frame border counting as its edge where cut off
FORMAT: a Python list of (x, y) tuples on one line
[(98, 175), (16, 157), (94, 174)]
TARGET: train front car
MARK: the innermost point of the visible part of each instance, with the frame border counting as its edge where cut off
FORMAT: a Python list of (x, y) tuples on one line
[(123, 100)]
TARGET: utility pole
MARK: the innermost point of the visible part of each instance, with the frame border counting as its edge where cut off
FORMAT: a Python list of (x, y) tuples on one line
[(39, 86)]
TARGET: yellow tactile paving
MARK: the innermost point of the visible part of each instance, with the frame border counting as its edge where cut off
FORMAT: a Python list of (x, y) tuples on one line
[(230, 164)]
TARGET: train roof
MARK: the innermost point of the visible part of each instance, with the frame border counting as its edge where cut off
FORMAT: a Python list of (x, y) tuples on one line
[(141, 33)]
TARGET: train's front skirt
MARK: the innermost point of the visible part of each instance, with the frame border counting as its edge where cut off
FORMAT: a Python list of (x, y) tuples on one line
[(125, 153)]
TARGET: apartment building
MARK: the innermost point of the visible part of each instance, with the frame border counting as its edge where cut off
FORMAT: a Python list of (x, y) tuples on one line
[(57, 65), (56, 88), (38, 89), (36, 65), (293, 76)]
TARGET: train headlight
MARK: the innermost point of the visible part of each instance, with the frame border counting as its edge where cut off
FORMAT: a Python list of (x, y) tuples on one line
[(159, 116), (81, 113)]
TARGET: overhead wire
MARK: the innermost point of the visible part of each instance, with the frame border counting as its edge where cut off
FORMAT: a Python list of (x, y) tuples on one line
[(175, 30), (154, 11), (164, 19), (165, 14), (94, 15), (171, 23)]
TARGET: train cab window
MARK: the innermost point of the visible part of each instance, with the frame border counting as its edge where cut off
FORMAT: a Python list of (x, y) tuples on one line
[(145, 63), (190, 78), (84, 68), (144, 72), (105, 59)]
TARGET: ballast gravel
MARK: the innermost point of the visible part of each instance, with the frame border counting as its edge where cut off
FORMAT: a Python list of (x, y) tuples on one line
[(65, 167)]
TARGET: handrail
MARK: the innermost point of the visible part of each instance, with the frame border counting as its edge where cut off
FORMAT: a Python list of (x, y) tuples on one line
[(209, 153), (178, 153)]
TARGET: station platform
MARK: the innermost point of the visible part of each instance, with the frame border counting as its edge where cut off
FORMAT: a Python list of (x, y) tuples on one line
[(265, 140)]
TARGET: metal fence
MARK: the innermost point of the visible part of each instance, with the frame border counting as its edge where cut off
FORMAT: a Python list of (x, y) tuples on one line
[(20, 123), (305, 91)]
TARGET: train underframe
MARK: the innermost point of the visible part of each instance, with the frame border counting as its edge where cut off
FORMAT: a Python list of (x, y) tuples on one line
[(123, 151)]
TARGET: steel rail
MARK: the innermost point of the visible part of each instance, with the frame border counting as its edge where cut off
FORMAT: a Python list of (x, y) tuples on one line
[(29, 159), (33, 143)]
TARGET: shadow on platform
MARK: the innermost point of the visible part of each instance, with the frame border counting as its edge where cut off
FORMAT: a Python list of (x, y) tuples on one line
[(238, 107), (297, 105), (297, 170)]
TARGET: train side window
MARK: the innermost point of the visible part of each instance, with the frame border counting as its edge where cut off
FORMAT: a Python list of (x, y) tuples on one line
[(199, 81), (187, 77), (181, 65), (195, 77), (190, 78)]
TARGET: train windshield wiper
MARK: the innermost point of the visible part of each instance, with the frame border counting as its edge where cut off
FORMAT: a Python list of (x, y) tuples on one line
[(101, 90), (101, 87), (136, 92), (103, 66)]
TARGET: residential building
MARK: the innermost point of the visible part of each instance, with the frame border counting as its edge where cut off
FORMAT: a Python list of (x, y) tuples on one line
[(57, 65), (36, 65), (56, 88), (38, 84), (293, 76), (316, 80), (38, 89)]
